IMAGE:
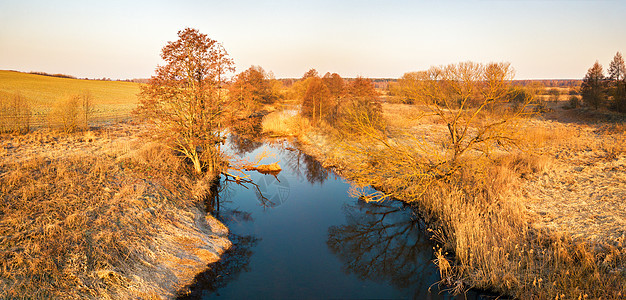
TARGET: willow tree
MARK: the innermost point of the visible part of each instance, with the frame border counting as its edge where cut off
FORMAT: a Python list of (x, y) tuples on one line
[(184, 100)]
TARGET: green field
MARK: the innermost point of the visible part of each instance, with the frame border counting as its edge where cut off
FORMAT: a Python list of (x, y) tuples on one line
[(111, 99)]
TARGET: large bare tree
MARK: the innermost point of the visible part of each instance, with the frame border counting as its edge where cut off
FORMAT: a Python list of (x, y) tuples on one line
[(474, 114), (184, 98)]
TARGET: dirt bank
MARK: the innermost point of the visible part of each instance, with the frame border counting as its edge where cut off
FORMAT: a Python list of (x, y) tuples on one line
[(101, 214)]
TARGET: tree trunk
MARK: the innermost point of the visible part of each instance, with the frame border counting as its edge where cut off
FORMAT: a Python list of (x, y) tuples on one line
[(197, 166)]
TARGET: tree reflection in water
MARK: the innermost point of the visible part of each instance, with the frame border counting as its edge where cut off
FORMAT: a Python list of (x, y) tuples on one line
[(381, 242), (218, 274), (305, 165), (246, 135)]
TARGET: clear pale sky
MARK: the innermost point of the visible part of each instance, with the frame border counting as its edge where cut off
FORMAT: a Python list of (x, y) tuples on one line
[(95, 39)]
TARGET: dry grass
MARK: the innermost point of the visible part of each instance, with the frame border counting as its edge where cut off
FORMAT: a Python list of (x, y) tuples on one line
[(285, 123), (99, 215), (486, 220)]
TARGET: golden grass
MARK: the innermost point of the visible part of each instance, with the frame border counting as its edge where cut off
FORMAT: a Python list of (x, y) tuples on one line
[(103, 216), (111, 99), (284, 123), (480, 219)]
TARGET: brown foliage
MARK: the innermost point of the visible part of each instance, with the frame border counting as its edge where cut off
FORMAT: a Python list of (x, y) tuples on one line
[(310, 73), (361, 88), (317, 101), (185, 100), (334, 83), (254, 87)]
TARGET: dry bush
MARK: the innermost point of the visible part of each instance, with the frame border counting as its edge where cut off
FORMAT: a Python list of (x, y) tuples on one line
[(72, 113), (15, 113), (102, 226)]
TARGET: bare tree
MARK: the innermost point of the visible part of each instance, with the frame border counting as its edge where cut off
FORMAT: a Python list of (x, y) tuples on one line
[(184, 98), (474, 111)]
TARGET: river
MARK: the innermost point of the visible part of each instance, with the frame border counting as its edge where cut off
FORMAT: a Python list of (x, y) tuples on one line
[(300, 234)]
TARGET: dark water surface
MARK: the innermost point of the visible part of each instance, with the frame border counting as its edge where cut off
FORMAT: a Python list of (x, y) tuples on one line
[(300, 235)]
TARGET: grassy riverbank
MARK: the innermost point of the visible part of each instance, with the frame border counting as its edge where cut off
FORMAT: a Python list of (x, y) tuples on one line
[(100, 214), (542, 222)]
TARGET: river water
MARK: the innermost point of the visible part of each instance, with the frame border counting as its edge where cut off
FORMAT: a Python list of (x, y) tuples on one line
[(300, 235)]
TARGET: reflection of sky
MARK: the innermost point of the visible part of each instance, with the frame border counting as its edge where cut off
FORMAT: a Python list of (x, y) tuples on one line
[(542, 39)]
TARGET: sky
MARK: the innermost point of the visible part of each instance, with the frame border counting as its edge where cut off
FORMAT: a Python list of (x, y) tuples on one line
[(547, 39)]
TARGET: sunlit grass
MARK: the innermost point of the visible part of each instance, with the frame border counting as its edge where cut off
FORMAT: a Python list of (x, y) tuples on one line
[(110, 98), (285, 123), (100, 215), (487, 234)]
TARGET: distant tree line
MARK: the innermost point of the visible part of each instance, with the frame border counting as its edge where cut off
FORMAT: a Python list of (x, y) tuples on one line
[(53, 75)]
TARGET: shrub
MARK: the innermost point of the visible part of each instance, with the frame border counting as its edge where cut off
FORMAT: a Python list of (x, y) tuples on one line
[(72, 113), (354, 114), (15, 114), (574, 102)]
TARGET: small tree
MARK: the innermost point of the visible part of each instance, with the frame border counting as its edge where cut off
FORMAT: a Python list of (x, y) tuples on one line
[(593, 87), (407, 87), (360, 108), (87, 106), (184, 98), (617, 69), (67, 114), (617, 75)]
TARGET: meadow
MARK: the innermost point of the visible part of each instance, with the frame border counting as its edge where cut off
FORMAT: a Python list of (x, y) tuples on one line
[(97, 212), (111, 100)]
